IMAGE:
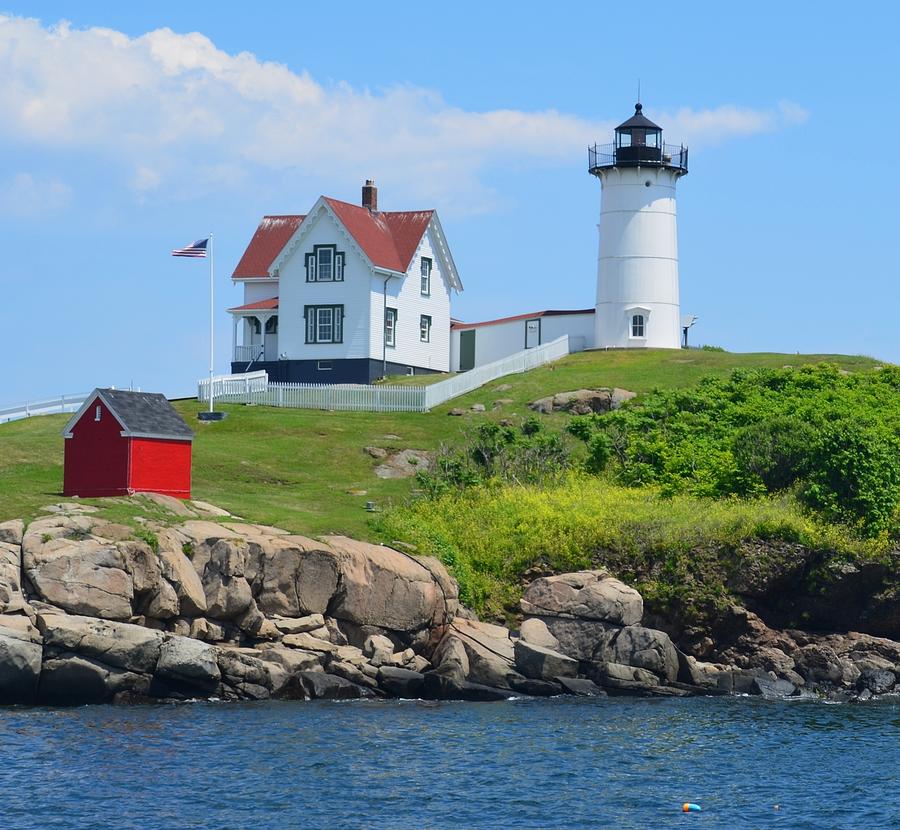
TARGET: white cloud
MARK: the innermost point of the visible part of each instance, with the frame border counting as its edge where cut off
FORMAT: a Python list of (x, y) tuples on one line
[(713, 126), (164, 102), (28, 195)]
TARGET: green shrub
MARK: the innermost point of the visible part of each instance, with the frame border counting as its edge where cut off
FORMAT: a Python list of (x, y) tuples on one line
[(855, 475), (600, 450), (777, 451), (762, 430), (527, 454)]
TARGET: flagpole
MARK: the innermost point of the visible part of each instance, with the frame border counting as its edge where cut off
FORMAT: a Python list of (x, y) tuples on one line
[(211, 321)]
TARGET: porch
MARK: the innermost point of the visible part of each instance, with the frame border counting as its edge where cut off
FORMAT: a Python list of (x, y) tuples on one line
[(254, 335)]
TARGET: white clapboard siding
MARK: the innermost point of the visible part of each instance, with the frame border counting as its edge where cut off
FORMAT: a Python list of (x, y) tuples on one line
[(255, 388), (64, 403)]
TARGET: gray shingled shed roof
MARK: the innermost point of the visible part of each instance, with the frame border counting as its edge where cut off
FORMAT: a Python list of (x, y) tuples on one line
[(142, 414)]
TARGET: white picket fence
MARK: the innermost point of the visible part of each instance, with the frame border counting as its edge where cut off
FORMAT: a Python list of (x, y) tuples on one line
[(64, 403), (254, 388), (234, 388), (514, 364)]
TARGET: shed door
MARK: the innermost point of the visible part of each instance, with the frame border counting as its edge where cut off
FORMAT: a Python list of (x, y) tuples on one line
[(532, 333), (466, 350)]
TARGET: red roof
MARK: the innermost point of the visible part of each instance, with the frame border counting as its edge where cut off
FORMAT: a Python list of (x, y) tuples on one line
[(271, 236), (389, 239), (458, 324), (260, 305)]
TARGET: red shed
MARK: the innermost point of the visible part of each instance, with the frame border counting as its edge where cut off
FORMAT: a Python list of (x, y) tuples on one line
[(123, 442)]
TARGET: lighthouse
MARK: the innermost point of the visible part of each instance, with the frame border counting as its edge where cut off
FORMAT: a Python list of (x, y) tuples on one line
[(637, 269)]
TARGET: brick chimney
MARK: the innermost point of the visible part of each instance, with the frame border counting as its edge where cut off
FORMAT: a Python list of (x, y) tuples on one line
[(370, 195)]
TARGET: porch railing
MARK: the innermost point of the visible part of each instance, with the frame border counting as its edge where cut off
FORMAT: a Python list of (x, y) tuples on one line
[(254, 387), (247, 354)]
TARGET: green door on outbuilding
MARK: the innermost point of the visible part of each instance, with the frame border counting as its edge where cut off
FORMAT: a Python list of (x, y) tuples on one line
[(466, 350)]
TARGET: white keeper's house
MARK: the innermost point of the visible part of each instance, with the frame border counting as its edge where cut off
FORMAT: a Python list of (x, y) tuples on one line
[(348, 293), (345, 294)]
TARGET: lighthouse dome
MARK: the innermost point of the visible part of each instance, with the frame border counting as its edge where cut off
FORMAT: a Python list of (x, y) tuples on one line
[(638, 120)]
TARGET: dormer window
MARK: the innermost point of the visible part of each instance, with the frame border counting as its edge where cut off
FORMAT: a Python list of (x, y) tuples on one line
[(426, 276), (325, 263)]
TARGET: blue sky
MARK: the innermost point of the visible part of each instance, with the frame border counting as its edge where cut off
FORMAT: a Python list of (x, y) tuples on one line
[(129, 131)]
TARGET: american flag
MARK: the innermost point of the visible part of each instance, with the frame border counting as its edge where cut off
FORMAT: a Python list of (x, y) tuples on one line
[(196, 249)]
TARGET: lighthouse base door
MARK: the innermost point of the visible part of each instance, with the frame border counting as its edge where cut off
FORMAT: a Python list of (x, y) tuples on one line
[(532, 333)]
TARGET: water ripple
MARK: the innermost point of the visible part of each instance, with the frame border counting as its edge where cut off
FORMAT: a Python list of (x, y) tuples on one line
[(564, 763)]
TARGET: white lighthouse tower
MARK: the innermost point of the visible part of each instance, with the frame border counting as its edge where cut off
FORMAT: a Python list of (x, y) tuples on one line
[(637, 272)]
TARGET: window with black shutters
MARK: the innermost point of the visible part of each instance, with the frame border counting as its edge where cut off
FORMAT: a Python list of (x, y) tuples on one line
[(324, 323)]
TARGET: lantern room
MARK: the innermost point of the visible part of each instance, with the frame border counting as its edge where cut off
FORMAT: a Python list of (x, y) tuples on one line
[(638, 139)]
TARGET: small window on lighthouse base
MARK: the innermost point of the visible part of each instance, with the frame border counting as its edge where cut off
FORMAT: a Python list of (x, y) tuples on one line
[(637, 325)]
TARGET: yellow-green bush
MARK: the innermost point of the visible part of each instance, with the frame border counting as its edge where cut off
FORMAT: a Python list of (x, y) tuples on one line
[(492, 534)]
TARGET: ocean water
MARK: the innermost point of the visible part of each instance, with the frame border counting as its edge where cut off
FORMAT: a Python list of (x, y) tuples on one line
[(561, 763)]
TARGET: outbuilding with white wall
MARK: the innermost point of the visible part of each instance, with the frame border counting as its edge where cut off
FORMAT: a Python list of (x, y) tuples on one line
[(474, 344)]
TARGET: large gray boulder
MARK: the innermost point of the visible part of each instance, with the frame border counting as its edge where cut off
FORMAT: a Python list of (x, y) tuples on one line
[(820, 663), (299, 625), (641, 647), (586, 595), (583, 401), (535, 631), (116, 644), (49, 528), (294, 576), (71, 679), (290, 659), (186, 661), (163, 603), (143, 566), (581, 687), (385, 588), (227, 592), (402, 683), (631, 680), (20, 665), (180, 573), (577, 638), (246, 677), (539, 663), (490, 653), (82, 576), (11, 532), (451, 660)]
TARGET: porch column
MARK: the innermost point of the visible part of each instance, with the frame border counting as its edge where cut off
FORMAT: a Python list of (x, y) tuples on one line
[(234, 333)]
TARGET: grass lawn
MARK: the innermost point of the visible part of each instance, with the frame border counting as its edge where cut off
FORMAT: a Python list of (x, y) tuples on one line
[(308, 471)]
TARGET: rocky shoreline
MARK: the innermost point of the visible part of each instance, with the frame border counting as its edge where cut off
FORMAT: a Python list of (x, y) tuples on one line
[(213, 607)]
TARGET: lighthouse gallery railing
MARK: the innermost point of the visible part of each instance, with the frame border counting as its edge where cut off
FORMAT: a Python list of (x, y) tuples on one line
[(608, 155)]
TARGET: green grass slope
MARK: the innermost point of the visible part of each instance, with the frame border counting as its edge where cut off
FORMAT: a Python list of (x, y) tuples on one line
[(308, 471)]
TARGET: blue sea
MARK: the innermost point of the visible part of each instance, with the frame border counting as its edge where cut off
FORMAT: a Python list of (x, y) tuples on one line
[(561, 763)]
